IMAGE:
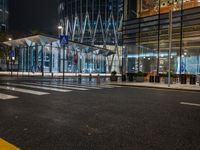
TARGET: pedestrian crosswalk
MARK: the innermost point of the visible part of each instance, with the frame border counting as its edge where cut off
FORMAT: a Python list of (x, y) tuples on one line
[(60, 86), (5, 96), (44, 88), (15, 89), (39, 87)]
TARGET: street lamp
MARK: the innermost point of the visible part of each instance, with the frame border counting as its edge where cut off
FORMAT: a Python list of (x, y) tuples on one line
[(60, 27), (170, 43), (62, 31), (12, 56)]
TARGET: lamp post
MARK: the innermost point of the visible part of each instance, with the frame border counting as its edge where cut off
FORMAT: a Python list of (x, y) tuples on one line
[(12, 58), (63, 41), (170, 44), (60, 28)]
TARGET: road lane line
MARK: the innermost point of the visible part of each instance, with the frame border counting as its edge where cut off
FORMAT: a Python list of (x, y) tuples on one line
[(4, 145), (5, 96), (39, 87), (190, 104), (59, 86), (23, 90)]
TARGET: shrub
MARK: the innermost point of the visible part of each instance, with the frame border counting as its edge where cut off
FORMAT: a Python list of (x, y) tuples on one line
[(113, 73), (140, 74)]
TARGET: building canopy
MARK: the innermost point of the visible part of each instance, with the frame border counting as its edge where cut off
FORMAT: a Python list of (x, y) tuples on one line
[(45, 40)]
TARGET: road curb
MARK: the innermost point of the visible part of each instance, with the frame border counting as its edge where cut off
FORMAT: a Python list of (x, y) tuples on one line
[(151, 87)]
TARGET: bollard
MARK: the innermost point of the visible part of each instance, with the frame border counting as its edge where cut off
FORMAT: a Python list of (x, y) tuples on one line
[(90, 77), (79, 78), (123, 77), (98, 79), (199, 79)]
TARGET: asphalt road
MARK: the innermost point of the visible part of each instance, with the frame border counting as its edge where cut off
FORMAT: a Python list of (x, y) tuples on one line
[(106, 118)]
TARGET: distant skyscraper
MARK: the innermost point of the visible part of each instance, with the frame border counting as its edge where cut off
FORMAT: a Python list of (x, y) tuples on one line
[(3, 15)]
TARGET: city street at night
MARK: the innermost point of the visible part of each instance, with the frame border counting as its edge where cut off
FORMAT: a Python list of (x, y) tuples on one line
[(47, 114), (99, 74)]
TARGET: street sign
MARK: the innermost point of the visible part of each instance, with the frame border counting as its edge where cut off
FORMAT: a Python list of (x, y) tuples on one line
[(12, 53), (64, 39)]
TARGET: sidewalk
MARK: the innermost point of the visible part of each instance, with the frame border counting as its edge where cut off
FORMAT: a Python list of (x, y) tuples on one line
[(53, 74), (177, 86)]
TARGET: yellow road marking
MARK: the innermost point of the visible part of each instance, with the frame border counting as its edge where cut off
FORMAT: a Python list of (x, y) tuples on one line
[(7, 146)]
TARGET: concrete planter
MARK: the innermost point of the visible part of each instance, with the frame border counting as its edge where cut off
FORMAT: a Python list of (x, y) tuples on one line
[(151, 79), (113, 78), (166, 80), (139, 79)]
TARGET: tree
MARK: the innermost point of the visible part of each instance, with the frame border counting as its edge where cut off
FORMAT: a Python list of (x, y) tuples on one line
[(4, 50)]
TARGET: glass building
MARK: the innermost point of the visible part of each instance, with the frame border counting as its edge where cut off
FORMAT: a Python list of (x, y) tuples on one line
[(146, 36), (45, 54), (96, 23), (3, 15)]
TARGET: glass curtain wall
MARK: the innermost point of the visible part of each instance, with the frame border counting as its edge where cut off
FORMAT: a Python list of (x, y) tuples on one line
[(146, 37), (49, 58)]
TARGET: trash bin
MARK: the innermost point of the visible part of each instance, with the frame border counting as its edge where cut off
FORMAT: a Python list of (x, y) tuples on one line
[(123, 78), (151, 79), (193, 80), (198, 79), (130, 77), (183, 79), (157, 79)]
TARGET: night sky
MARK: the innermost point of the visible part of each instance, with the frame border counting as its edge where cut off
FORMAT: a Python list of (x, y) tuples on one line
[(28, 15)]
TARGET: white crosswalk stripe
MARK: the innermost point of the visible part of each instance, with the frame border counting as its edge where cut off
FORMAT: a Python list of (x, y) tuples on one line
[(23, 90), (110, 86), (86, 86), (59, 86), (70, 85), (49, 86), (6, 97), (38, 87), (98, 87)]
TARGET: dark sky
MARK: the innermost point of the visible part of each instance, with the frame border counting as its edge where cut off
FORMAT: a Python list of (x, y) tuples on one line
[(27, 15)]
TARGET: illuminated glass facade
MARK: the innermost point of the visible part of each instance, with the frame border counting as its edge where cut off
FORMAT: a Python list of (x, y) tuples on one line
[(49, 58), (3, 15), (146, 36), (45, 54), (96, 23)]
